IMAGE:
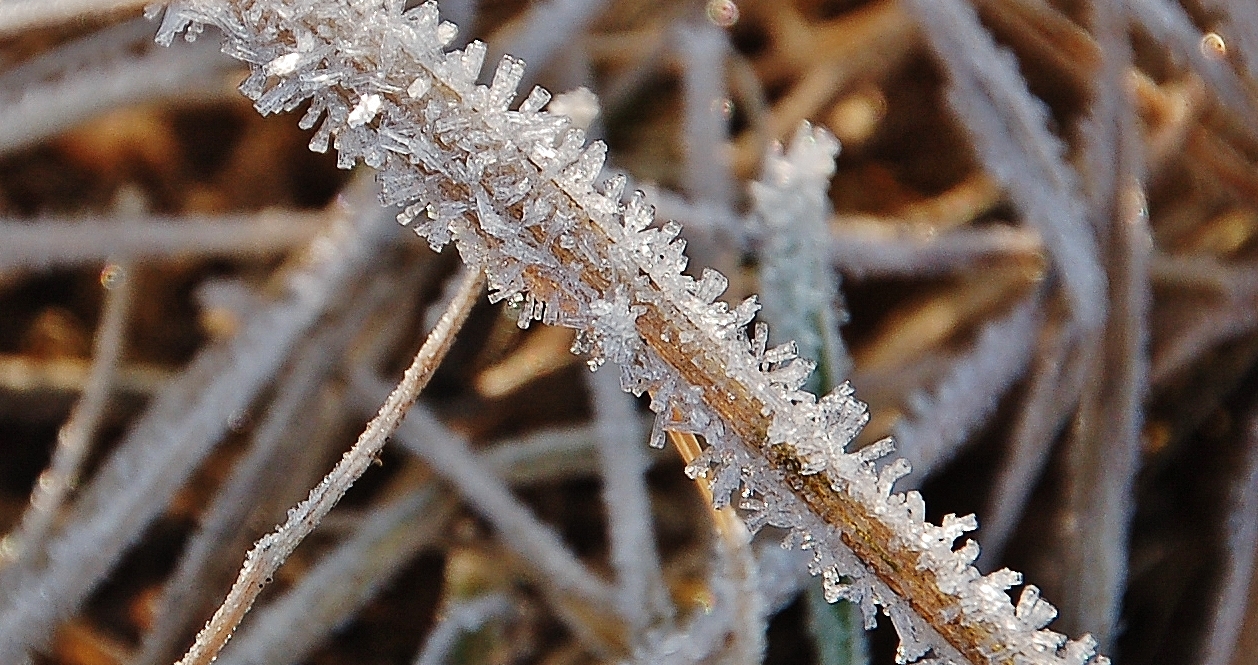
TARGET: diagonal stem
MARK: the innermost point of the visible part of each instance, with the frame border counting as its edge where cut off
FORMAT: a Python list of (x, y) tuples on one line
[(272, 550)]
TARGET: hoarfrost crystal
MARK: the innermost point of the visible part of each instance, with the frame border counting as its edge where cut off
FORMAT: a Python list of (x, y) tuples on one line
[(517, 190)]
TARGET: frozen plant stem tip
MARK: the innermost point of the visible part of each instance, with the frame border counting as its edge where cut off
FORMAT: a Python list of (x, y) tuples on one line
[(515, 187)]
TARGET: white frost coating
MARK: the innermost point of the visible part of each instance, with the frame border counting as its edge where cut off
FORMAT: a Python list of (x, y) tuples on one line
[(517, 191), (801, 289)]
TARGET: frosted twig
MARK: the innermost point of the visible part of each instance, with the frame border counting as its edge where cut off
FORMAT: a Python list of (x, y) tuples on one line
[(516, 189), (865, 250), (236, 499), (459, 619), (272, 550), (175, 434), (1008, 126), (47, 243), (1241, 541), (287, 629), (74, 438), (963, 400), (43, 111), (643, 597)]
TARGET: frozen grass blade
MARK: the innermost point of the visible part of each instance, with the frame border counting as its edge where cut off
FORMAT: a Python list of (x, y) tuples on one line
[(40, 112), (940, 424), (75, 437), (272, 550), (1052, 393), (273, 441), (54, 243), (1241, 542), (642, 596), (1105, 448), (869, 251), (462, 618), (703, 49), (1008, 126), (802, 299), (289, 628), (175, 434), (449, 455)]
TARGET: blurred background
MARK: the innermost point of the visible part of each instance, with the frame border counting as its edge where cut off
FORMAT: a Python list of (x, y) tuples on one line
[(1036, 260)]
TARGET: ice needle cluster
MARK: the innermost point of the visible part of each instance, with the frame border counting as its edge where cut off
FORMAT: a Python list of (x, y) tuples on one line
[(518, 190)]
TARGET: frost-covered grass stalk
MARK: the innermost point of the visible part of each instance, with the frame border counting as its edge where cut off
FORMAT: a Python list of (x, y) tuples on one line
[(517, 189)]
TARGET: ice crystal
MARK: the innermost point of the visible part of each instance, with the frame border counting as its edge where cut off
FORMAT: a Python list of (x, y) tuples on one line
[(517, 190)]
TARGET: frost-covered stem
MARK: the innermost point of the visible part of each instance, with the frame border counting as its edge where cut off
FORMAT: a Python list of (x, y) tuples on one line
[(515, 188), (1052, 392), (703, 48), (286, 630), (862, 250), (272, 550), (47, 243), (1104, 452), (624, 460), (74, 438)]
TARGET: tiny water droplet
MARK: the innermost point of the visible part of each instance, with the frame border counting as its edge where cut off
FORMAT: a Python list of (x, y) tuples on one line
[(723, 13), (112, 275), (1213, 46)]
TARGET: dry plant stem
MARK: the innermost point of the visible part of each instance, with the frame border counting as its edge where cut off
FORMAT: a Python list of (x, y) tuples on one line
[(74, 439), (271, 551), (20, 373), (745, 640)]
